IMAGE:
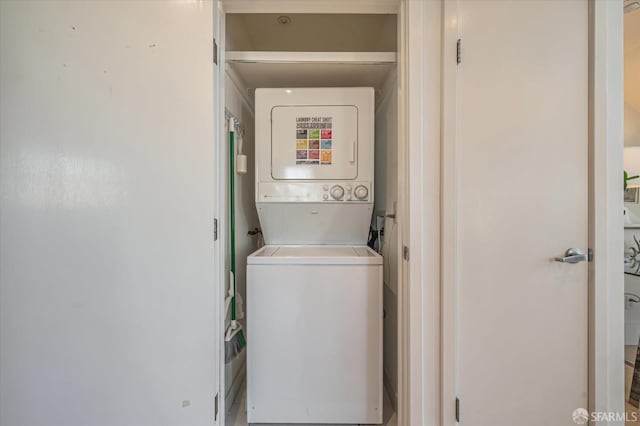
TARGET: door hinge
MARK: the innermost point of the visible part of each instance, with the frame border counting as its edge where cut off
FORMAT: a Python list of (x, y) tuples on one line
[(458, 410), (590, 254), (215, 408), (458, 51), (215, 229), (215, 52), (405, 253)]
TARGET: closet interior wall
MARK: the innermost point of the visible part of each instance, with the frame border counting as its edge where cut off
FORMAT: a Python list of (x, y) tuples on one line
[(386, 196), (241, 108)]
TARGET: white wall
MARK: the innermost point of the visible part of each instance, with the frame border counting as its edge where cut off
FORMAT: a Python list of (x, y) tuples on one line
[(631, 126), (107, 296), (386, 196), (246, 217)]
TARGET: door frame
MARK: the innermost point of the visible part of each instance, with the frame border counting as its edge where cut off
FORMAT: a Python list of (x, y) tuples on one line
[(221, 200), (606, 285), (419, 198), (329, 7), (606, 233)]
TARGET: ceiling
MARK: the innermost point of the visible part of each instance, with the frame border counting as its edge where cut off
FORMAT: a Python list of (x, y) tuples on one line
[(632, 59)]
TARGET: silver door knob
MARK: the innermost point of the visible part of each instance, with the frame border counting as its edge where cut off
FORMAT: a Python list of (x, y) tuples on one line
[(573, 255)]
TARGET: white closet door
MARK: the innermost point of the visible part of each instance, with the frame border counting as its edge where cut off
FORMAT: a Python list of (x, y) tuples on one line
[(523, 200), (107, 297)]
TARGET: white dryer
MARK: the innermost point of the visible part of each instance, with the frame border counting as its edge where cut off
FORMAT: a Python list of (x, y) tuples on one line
[(314, 164), (314, 292)]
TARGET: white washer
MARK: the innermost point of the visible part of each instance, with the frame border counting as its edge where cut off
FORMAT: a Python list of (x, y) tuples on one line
[(314, 332)]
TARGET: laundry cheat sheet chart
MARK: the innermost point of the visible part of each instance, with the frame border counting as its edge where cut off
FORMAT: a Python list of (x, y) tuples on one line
[(314, 140)]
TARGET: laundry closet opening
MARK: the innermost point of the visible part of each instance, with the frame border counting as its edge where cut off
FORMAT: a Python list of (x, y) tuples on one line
[(310, 154)]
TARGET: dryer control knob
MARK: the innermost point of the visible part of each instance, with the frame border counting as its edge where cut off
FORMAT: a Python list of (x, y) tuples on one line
[(361, 192), (337, 192), (325, 197)]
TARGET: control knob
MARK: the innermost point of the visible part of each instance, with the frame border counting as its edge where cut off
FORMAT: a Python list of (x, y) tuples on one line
[(337, 192), (361, 192)]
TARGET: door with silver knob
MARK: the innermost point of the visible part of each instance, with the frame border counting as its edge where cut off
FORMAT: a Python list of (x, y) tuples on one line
[(520, 177)]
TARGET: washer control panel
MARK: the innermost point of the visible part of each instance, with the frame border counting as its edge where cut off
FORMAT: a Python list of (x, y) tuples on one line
[(314, 192), (349, 192), (337, 192), (361, 192)]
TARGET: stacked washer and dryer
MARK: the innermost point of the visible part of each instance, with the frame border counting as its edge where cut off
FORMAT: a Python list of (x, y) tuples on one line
[(314, 291)]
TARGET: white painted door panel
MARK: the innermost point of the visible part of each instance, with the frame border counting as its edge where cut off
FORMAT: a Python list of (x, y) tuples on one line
[(107, 298), (523, 187)]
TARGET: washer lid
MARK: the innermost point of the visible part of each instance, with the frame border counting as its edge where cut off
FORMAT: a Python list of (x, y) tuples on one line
[(315, 255)]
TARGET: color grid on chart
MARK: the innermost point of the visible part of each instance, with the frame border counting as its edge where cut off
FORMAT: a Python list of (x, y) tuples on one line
[(314, 146)]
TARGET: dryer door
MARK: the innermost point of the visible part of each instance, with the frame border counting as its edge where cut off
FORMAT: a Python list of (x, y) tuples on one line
[(314, 142)]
